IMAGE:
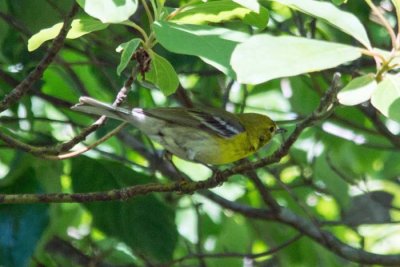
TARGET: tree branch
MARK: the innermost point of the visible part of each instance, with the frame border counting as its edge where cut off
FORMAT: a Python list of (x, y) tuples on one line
[(324, 109), (325, 238), (22, 88)]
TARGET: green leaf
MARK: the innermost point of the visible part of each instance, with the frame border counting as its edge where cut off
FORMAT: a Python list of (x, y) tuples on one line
[(21, 226), (369, 208), (264, 57), (144, 223), (386, 97), (333, 182), (162, 74), (220, 11), (342, 20), (339, 2), (358, 90), (79, 27), (129, 48), (212, 44), (109, 11), (236, 236)]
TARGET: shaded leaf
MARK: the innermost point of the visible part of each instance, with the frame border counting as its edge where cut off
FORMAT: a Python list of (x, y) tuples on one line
[(386, 97), (162, 74), (369, 208), (143, 223), (220, 11), (264, 57), (21, 226), (212, 44), (109, 11), (333, 182), (358, 90), (129, 48), (342, 20), (79, 27)]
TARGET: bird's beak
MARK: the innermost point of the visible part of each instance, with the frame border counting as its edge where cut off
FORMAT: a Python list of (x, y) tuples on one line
[(281, 131)]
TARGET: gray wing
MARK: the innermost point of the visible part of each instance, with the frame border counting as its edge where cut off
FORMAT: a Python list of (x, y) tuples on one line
[(214, 121)]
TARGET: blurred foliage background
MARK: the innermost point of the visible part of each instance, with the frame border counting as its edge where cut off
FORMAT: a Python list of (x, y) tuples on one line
[(342, 174)]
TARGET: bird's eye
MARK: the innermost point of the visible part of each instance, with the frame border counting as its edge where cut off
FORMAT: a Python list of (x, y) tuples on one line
[(262, 138), (272, 129)]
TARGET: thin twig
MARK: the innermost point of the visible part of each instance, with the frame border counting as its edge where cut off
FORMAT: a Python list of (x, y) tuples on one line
[(384, 22), (265, 194), (372, 114), (240, 255), (87, 148)]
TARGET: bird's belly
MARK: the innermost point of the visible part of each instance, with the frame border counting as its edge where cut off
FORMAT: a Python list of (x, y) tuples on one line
[(199, 146)]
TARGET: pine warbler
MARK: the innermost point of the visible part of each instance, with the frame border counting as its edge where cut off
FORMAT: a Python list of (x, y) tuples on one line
[(209, 136)]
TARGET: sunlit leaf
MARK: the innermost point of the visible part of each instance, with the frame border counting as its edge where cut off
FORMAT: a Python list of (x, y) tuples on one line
[(386, 97), (79, 27), (109, 11), (162, 74), (220, 11), (212, 44), (328, 12), (358, 90), (129, 48), (264, 57), (250, 4)]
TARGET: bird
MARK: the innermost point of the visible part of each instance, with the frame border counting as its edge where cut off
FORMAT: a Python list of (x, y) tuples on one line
[(210, 136)]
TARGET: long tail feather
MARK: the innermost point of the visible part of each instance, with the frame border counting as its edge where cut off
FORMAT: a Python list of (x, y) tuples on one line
[(93, 106)]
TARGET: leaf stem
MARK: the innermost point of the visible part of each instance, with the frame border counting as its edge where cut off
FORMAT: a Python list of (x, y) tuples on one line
[(148, 12), (372, 53), (385, 23), (138, 28)]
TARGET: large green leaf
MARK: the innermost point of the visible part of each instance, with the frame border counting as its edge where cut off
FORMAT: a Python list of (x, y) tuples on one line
[(328, 12), (220, 11), (109, 11), (358, 90), (21, 226), (79, 27), (143, 223), (264, 57), (235, 236), (386, 97), (162, 74), (212, 44)]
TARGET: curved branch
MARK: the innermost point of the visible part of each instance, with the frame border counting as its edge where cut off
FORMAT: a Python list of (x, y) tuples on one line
[(323, 237)]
